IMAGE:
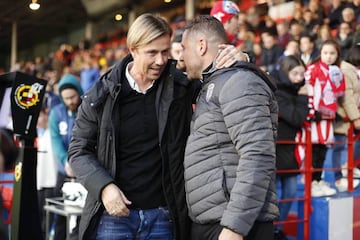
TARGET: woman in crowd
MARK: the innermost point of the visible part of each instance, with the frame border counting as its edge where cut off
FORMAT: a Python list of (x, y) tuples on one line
[(293, 109), (348, 107)]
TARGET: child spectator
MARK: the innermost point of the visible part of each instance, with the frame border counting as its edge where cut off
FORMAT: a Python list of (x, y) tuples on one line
[(326, 84)]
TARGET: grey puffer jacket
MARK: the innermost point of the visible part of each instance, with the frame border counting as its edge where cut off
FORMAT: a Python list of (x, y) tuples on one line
[(230, 153)]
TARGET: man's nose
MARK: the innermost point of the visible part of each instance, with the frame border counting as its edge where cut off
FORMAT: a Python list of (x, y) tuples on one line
[(160, 59)]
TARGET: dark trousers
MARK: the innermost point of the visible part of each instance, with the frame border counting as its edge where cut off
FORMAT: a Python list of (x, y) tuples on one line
[(260, 231), (318, 159)]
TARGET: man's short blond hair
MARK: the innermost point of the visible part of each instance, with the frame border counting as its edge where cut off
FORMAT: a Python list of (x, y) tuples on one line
[(145, 29)]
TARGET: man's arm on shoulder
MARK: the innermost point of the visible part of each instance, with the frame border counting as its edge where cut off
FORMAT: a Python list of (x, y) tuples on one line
[(228, 55)]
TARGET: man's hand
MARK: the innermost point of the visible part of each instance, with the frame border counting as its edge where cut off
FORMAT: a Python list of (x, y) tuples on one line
[(227, 234), (229, 55), (115, 201)]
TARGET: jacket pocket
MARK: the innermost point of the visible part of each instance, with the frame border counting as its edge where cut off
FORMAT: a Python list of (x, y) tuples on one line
[(108, 151), (224, 187)]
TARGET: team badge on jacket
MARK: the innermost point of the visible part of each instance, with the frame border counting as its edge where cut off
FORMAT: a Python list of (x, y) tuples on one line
[(209, 92)]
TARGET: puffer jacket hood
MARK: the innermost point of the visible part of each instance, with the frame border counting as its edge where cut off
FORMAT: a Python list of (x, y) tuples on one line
[(70, 79)]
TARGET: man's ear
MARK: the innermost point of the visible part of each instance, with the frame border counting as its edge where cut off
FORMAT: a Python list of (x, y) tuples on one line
[(132, 51), (203, 46)]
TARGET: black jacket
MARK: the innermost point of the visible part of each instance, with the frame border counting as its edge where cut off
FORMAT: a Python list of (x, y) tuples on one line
[(92, 152), (293, 109)]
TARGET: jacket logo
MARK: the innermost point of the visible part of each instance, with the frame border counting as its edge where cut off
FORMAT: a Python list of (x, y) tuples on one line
[(209, 92), (63, 128)]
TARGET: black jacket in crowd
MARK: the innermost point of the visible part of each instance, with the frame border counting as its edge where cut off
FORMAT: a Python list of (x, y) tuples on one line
[(293, 109), (92, 152)]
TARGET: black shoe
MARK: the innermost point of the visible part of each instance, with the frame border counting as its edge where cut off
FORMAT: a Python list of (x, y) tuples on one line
[(279, 235)]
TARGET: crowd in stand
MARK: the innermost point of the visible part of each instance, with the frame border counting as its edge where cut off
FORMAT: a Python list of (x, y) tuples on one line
[(311, 23), (268, 40)]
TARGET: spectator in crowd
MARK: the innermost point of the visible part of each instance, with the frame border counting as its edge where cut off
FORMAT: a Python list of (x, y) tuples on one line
[(348, 15), (39, 66), (61, 122), (297, 15), (326, 84), (229, 179), (318, 10), (254, 20), (89, 73), (62, 58), (324, 33), (310, 23), (308, 49), (135, 175), (176, 49), (8, 155), (46, 168), (257, 54), (296, 29), (270, 25), (344, 37), (292, 99), (356, 38), (292, 48), (349, 106), (245, 39), (109, 57), (334, 13), (355, 5), (271, 52), (283, 35), (227, 13)]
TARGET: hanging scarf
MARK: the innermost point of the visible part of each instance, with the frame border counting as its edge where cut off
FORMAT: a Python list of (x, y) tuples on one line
[(328, 85)]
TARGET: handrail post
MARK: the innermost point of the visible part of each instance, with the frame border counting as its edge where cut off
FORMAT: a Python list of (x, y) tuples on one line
[(307, 189), (350, 157)]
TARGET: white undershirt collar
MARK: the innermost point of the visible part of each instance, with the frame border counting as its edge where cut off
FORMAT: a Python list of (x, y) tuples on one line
[(132, 81)]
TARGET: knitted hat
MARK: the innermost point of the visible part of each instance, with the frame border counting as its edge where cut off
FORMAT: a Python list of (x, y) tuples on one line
[(67, 86), (70, 81), (224, 10)]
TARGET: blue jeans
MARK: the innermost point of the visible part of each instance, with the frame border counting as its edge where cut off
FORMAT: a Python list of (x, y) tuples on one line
[(339, 150), (288, 191), (140, 225)]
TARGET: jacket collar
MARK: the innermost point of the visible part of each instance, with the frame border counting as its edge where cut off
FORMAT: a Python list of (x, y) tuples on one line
[(213, 71)]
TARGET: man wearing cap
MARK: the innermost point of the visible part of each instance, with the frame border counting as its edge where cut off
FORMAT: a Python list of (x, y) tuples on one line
[(227, 13), (61, 122)]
